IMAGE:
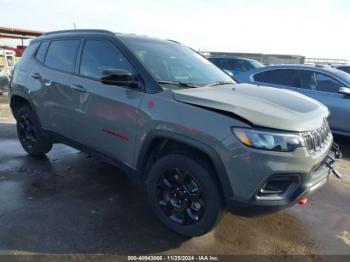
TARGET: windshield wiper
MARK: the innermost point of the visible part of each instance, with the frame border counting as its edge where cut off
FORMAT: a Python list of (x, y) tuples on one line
[(220, 83), (178, 83)]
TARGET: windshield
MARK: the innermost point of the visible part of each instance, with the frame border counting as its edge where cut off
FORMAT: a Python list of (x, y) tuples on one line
[(173, 62), (256, 64)]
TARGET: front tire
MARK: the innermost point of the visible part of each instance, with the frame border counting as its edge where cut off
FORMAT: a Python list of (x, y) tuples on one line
[(184, 195), (29, 132)]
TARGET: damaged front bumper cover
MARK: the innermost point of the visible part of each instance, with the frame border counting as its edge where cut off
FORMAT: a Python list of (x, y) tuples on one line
[(332, 159), (308, 183)]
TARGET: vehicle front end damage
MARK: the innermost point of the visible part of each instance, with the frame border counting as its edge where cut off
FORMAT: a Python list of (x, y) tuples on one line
[(278, 181)]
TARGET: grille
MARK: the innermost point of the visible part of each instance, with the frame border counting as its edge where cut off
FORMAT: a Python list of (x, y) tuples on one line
[(317, 139)]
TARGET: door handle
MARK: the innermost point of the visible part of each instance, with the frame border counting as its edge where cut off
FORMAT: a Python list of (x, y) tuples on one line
[(36, 75), (78, 88)]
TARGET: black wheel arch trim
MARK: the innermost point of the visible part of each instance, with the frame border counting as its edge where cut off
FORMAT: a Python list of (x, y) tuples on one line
[(196, 144), (25, 98)]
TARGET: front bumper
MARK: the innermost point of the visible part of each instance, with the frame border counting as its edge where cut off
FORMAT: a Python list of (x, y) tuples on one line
[(298, 187)]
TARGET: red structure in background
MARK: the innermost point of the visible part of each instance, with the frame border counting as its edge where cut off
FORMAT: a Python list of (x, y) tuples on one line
[(16, 33), (19, 49)]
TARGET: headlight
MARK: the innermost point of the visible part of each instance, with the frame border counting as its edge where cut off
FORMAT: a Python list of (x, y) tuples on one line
[(268, 140)]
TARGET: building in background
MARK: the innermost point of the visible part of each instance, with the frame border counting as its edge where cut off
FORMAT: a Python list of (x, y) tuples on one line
[(326, 61), (17, 33), (9, 55)]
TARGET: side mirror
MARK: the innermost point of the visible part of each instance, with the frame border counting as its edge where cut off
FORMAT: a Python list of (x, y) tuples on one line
[(119, 77), (344, 91)]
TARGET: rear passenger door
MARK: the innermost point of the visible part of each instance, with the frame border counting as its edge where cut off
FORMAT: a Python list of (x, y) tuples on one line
[(104, 115), (56, 63)]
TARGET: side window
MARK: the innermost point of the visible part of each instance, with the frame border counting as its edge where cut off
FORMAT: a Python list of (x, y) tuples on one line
[(99, 55), (218, 62), (285, 77), (320, 82), (30, 50), (233, 65), (221, 63), (307, 80), (236, 65), (214, 61), (229, 64), (249, 66), (40, 54), (242, 66), (62, 54), (327, 83)]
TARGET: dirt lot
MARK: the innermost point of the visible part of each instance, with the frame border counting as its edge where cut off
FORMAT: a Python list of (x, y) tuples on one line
[(70, 203)]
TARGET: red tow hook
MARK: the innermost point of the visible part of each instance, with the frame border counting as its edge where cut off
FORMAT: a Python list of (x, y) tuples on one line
[(303, 201)]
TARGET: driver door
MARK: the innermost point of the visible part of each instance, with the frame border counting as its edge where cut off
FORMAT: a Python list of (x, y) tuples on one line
[(105, 115)]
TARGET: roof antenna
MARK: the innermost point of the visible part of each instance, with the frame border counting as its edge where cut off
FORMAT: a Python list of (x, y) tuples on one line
[(75, 28)]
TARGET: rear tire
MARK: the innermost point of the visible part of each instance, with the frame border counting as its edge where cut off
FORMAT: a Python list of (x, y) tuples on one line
[(32, 138), (184, 195)]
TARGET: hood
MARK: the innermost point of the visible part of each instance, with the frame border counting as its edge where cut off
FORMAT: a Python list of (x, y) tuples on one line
[(262, 106)]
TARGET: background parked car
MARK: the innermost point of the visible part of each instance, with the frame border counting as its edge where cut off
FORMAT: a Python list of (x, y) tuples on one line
[(345, 68), (330, 86), (235, 65)]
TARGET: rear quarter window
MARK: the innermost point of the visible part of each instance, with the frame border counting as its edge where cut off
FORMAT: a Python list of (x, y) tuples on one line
[(62, 54), (40, 54), (30, 50)]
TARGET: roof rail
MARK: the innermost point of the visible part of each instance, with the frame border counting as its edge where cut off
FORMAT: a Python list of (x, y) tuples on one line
[(79, 31)]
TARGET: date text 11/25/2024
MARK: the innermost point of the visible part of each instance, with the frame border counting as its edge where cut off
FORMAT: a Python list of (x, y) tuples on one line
[(173, 258)]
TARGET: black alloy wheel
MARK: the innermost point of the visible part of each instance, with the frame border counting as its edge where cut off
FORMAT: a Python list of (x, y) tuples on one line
[(184, 193), (33, 139), (179, 196), (26, 131)]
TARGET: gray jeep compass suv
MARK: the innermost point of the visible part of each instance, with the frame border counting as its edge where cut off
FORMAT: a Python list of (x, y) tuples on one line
[(201, 143)]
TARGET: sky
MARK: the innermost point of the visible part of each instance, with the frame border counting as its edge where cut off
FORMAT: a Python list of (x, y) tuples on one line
[(313, 28)]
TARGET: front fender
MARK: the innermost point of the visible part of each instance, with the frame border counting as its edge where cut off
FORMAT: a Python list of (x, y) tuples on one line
[(191, 142)]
